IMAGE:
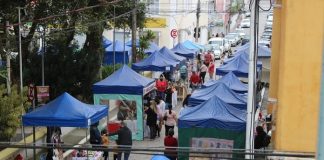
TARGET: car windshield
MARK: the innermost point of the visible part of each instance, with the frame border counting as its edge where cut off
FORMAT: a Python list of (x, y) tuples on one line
[(229, 37), (219, 43), (245, 21)]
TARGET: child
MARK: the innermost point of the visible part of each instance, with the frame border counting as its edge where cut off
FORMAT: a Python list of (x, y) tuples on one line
[(105, 142)]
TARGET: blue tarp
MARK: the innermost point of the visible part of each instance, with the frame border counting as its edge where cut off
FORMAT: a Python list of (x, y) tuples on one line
[(192, 45), (129, 43), (106, 42), (181, 50), (152, 48), (155, 62), (159, 157), (239, 65), (213, 113), (170, 54), (221, 91), (123, 81), (119, 53), (231, 81), (262, 50), (65, 111)]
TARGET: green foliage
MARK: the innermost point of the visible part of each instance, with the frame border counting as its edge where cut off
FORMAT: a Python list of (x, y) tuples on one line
[(109, 69), (10, 112), (145, 43)]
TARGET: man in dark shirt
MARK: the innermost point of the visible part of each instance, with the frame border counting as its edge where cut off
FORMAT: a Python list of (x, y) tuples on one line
[(124, 141)]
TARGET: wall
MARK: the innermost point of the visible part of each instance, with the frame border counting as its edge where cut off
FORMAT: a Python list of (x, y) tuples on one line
[(295, 73)]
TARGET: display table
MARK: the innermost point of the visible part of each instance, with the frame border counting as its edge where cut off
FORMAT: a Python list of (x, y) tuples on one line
[(93, 155)]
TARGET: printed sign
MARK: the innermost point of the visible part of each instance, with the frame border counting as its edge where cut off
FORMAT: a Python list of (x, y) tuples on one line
[(174, 33), (42, 94)]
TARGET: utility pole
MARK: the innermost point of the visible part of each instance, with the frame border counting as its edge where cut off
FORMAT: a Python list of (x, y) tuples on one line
[(8, 57), (134, 26), (249, 140), (197, 21)]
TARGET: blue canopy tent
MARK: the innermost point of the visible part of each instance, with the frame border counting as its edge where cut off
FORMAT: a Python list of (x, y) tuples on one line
[(231, 81), (181, 50), (192, 45), (165, 51), (159, 157), (262, 50), (129, 43), (119, 53), (126, 84), (239, 65), (212, 124), (221, 91), (106, 42), (155, 62), (152, 48), (65, 111)]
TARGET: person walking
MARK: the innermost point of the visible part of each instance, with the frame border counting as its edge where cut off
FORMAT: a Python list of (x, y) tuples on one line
[(170, 118), (124, 141), (183, 72), (170, 144), (211, 70), (168, 96), (161, 86), (203, 70), (161, 110), (151, 120), (95, 137), (194, 80)]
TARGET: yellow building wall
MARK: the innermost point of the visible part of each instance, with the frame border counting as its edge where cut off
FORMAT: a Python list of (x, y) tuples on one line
[(295, 73)]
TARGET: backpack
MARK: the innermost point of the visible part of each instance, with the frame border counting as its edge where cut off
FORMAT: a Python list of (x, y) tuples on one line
[(267, 141)]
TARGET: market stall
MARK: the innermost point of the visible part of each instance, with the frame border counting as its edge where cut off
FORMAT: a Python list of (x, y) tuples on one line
[(192, 45), (152, 48), (231, 81), (118, 51), (128, 88), (212, 124), (165, 51), (181, 50), (221, 91), (65, 111)]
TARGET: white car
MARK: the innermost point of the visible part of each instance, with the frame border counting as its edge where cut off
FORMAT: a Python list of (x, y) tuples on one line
[(217, 53), (270, 18), (237, 37), (224, 45), (268, 23), (265, 42), (245, 23), (240, 31)]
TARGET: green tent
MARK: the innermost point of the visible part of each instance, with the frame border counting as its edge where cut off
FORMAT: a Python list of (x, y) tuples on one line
[(212, 124)]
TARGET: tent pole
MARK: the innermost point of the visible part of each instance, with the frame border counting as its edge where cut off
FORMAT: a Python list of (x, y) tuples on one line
[(23, 132), (124, 47), (86, 142)]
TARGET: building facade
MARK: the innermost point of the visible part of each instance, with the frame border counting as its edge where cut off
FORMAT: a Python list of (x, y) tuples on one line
[(295, 77)]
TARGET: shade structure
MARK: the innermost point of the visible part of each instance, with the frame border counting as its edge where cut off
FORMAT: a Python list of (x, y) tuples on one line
[(239, 65), (159, 157), (119, 53), (181, 50), (213, 113), (123, 81), (192, 45), (221, 91), (106, 42), (167, 52), (65, 111), (155, 62), (262, 50), (152, 48), (129, 43), (231, 81)]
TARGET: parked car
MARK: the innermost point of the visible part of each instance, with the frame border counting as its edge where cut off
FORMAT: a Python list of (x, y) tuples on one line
[(268, 37), (240, 31), (267, 33), (247, 14), (237, 37), (268, 23), (231, 39), (246, 39), (270, 18), (265, 42), (267, 30), (221, 42), (245, 23)]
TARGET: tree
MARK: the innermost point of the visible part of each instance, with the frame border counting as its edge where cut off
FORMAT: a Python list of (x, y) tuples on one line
[(10, 112), (144, 42), (68, 67)]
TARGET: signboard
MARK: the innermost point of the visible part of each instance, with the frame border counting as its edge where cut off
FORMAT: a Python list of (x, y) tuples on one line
[(31, 92), (201, 144), (42, 94), (174, 33), (148, 88), (155, 23)]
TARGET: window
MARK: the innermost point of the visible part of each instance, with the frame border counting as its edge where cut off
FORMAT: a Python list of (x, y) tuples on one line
[(153, 6)]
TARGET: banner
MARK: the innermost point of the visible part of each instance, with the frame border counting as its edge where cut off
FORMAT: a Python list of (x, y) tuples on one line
[(42, 94)]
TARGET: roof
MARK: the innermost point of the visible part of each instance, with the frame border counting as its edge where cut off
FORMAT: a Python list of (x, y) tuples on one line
[(119, 47), (123, 81), (65, 111), (213, 113), (155, 62), (181, 50), (164, 50), (231, 81), (221, 91)]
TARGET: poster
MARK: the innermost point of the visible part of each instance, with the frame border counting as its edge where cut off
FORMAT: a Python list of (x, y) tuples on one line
[(42, 94), (201, 144)]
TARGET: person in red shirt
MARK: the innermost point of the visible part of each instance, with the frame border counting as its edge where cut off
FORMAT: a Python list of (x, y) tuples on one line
[(194, 80), (170, 141), (161, 86), (208, 58), (211, 70)]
